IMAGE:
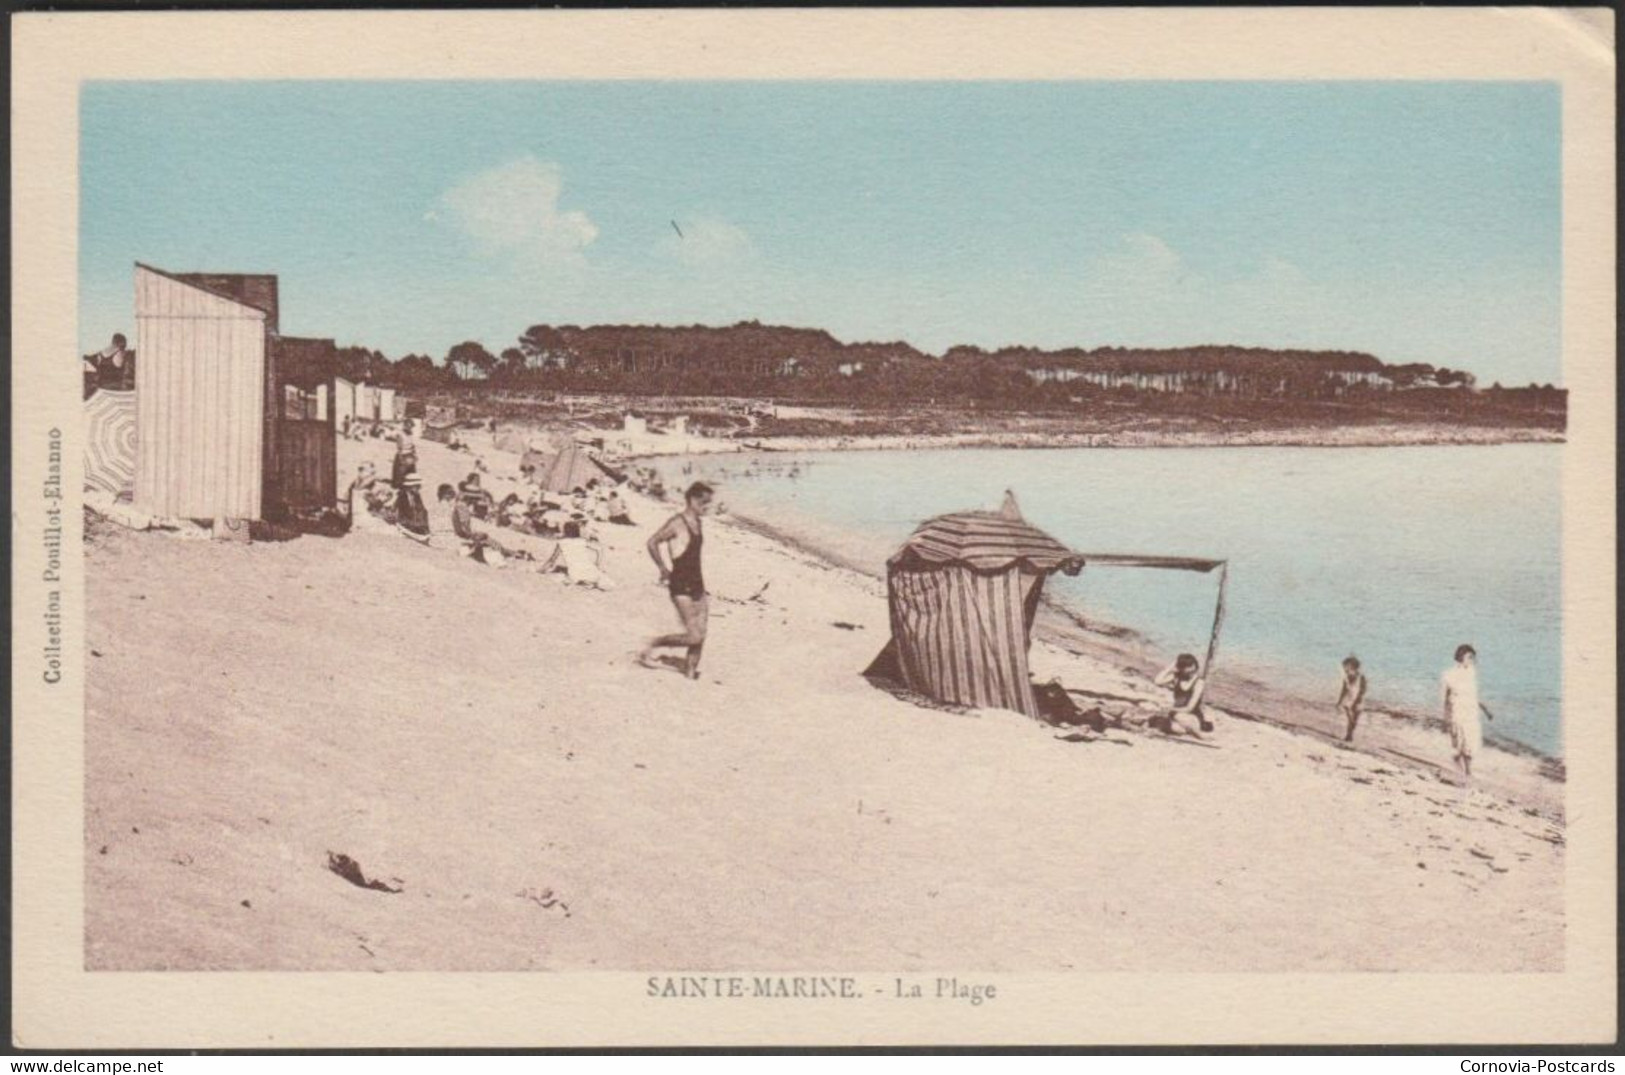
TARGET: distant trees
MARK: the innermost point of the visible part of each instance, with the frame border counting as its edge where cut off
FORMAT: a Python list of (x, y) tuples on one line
[(470, 361), (362, 364), (420, 372)]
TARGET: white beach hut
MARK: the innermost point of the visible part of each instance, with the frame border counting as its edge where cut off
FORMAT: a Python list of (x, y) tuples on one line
[(343, 400)]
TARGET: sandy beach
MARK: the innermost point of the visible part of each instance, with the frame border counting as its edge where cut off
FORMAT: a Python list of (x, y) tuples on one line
[(480, 743)]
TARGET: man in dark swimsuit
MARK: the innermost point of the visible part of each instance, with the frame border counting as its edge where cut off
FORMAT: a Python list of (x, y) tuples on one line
[(684, 578)]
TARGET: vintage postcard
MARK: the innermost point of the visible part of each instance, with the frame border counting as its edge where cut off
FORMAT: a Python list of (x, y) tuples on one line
[(841, 528)]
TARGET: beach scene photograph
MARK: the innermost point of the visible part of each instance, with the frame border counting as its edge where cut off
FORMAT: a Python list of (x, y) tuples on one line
[(913, 528)]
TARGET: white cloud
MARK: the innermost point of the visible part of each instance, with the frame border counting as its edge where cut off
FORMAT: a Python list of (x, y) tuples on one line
[(707, 242), (1137, 258), (1143, 290), (514, 208)]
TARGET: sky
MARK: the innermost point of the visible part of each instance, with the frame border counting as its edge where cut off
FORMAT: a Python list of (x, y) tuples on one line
[(1417, 221)]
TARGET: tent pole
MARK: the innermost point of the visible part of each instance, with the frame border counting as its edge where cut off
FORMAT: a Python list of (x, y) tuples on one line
[(1218, 620)]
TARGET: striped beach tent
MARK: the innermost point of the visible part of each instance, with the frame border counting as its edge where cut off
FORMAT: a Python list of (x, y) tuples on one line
[(963, 592), (572, 468), (110, 442)]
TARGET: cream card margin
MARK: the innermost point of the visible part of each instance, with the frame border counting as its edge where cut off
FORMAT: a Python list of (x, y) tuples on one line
[(57, 1004)]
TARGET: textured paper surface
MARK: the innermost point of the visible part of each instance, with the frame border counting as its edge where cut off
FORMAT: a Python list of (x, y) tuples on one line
[(58, 1004)]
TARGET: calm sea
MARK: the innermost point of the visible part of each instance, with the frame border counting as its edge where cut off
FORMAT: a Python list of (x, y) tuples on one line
[(1393, 554)]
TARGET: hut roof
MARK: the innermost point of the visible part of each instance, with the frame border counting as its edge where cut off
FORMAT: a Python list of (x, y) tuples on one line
[(257, 291)]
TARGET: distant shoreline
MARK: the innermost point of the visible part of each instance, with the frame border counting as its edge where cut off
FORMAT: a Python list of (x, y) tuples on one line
[(651, 446)]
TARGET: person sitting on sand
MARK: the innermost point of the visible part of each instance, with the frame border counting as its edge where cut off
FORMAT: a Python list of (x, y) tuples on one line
[(617, 510), (1461, 708), (581, 560), (366, 496), (455, 527), (477, 497), (510, 511), (683, 577), (410, 514), (1184, 678), (1352, 695)]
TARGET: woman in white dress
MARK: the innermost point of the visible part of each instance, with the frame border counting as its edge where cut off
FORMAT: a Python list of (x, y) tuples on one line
[(1461, 708)]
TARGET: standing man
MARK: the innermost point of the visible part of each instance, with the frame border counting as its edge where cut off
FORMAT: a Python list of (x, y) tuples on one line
[(1461, 708), (682, 538), (406, 459)]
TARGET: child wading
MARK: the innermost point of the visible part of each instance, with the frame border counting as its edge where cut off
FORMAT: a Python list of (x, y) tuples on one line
[(1352, 695), (683, 578)]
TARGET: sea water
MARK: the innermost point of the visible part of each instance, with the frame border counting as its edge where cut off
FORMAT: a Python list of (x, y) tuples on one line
[(1396, 555)]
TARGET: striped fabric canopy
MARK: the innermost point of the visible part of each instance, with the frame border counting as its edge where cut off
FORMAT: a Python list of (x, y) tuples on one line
[(986, 541), (961, 636), (110, 442)]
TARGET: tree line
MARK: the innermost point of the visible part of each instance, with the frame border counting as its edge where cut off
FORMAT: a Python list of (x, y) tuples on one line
[(809, 364)]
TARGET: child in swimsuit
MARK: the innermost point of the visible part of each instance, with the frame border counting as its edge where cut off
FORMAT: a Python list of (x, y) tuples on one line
[(1351, 697)]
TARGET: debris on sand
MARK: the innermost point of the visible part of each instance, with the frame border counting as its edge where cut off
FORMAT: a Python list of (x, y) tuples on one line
[(349, 869), (843, 625), (544, 898)]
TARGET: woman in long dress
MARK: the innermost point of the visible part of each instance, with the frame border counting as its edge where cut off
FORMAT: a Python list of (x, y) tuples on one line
[(1461, 708)]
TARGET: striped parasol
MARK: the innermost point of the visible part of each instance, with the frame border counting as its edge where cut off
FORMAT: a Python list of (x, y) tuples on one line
[(110, 442)]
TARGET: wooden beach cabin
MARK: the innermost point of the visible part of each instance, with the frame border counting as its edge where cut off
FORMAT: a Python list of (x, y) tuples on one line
[(215, 439), (366, 402), (343, 401)]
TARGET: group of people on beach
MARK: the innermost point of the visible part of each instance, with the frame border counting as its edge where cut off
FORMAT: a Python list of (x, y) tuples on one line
[(1459, 699), (352, 428), (531, 526)]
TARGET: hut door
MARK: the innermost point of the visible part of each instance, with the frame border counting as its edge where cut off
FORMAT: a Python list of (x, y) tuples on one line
[(307, 463), (304, 467)]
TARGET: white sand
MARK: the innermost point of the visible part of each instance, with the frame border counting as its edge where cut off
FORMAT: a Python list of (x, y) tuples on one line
[(483, 740)]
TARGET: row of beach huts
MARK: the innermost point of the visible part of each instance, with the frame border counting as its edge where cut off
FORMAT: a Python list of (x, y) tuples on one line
[(229, 417)]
